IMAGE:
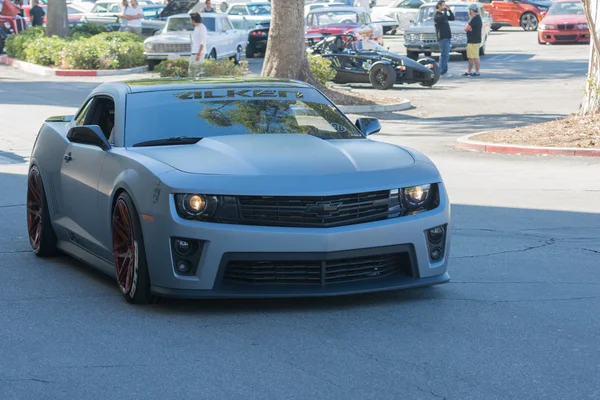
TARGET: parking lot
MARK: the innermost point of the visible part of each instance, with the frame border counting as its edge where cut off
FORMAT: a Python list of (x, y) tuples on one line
[(519, 319)]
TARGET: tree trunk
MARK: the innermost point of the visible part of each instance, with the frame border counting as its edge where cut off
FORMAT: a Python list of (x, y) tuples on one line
[(57, 22), (286, 54), (591, 101)]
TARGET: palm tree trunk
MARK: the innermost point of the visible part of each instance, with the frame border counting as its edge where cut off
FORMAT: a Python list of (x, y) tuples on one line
[(591, 100), (57, 22), (286, 54)]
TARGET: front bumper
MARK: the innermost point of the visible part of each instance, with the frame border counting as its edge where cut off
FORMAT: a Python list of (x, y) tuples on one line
[(259, 43), (221, 244), (421, 47), (164, 56), (564, 36)]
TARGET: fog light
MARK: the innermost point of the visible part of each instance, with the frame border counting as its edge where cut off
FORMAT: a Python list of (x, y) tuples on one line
[(182, 247), (436, 254), (183, 267), (436, 234)]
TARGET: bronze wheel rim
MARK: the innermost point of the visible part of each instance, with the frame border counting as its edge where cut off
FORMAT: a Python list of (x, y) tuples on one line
[(34, 208), (123, 245)]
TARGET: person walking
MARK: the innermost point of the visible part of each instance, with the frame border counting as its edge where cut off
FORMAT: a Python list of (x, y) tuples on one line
[(124, 6), (443, 14), (37, 14), (133, 14), (199, 39), (208, 8), (473, 29)]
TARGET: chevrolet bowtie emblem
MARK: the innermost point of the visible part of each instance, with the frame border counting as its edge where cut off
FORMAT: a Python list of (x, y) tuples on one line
[(323, 208)]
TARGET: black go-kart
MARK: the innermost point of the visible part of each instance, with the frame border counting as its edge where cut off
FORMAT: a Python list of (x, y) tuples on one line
[(364, 61)]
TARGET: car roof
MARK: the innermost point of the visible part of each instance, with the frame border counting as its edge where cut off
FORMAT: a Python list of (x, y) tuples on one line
[(165, 84)]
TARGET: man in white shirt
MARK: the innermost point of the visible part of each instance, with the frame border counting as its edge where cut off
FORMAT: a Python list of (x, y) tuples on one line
[(133, 14), (199, 39)]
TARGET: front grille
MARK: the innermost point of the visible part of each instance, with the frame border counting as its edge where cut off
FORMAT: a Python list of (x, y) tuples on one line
[(428, 37), (563, 27), (565, 37), (324, 211), (172, 47), (315, 272)]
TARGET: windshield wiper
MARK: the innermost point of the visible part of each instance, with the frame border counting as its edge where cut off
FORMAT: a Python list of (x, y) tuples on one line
[(169, 142)]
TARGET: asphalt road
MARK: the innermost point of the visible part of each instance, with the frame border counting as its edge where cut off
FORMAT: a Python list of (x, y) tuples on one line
[(519, 320)]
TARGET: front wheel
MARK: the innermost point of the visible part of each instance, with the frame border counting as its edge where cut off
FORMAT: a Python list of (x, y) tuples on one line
[(250, 50), (212, 55), (529, 21), (152, 64), (495, 27), (129, 252), (382, 76), (42, 237), (436, 75)]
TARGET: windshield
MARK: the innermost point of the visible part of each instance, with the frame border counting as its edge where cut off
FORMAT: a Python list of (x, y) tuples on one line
[(333, 18), (367, 45), (220, 112), (185, 24), (570, 8), (426, 14), (259, 9)]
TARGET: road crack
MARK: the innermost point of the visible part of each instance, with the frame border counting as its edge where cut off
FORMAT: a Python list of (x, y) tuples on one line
[(545, 244), (12, 205)]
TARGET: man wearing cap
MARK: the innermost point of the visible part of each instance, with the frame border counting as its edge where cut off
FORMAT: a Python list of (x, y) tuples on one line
[(473, 29)]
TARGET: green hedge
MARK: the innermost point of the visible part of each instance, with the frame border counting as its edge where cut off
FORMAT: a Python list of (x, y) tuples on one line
[(179, 68), (321, 68), (86, 49)]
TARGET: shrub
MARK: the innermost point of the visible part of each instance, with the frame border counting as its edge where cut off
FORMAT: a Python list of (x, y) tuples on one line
[(109, 50), (321, 68), (45, 51), (15, 44), (179, 68), (80, 54), (87, 30)]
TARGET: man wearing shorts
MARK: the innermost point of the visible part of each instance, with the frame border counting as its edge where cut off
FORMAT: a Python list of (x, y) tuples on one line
[(473, 29)]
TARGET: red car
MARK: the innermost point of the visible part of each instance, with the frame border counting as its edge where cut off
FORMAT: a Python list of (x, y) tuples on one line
[(10, 21), (523, 13), (322, 22), (564, 23)]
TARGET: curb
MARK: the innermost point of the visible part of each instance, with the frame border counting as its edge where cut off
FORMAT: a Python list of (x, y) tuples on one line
[(465, 143), (46, 71), (403, 105)]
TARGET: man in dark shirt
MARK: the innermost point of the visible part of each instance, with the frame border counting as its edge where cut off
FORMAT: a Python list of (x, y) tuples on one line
[(37, 14), (443, 14), (473, 29)]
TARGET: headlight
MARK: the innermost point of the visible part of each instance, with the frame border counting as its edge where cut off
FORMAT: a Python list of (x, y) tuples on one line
[(148, 46), (196, 206), (544, 27), (416, 196), (582, 26)]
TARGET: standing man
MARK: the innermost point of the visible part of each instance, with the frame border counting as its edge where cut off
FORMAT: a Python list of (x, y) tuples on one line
[(37, 14), (443, 14), (366, 4), (208, 8), (133, 14), (473, 29), (124, 7), (199, 39)]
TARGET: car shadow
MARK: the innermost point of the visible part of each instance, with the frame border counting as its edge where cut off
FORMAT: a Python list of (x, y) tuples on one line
[(46, 93)]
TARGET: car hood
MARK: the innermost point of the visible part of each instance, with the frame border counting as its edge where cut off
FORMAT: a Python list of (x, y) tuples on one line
[(564, 19), (178, 7), (171, 37), (280, 155)]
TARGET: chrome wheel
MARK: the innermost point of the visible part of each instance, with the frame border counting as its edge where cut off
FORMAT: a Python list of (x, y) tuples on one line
[(529, 21), (35, 208)]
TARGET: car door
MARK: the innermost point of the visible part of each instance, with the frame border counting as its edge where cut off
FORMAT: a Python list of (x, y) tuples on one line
[(231, 34), (79, 176), (222, 39)]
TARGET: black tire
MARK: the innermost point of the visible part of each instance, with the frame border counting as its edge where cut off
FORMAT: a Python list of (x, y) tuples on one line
[(495, 27), (482, 49), (464, 55), (42, 237), (382, 76), (213, 54), (152, 64), (436, 75), (250, 50), (133, 279), (526, 18), (412, 55)]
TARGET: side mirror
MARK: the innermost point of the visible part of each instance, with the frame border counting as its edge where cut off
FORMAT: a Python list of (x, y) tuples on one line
[(368, 126), (88, 134)]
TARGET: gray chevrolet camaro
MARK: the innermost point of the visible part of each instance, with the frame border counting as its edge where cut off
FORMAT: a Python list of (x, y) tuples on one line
[(234, 188)]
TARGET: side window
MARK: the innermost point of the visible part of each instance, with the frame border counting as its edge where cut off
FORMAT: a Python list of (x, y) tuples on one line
[(116, 8), (405, 4), (101, 112), (226, 24), (367, 18), (82, 116)]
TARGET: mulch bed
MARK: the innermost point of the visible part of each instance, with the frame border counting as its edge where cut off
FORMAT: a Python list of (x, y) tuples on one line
[(574, 131), (345, 98)]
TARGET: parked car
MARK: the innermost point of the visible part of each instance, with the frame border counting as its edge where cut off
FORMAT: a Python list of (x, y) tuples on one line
[(10, 20), (174, 41), (565, 22), (338, 20), (246, 16), (364, 61), (420, 37), (257, 39), (227, 188), (402, 11), (523, 13), (103, 13)]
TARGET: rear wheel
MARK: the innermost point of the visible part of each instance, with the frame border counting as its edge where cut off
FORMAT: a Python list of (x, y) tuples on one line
[(213, 54), (382, 76), (129, 252), (39, 227), (529, 21), (250, 50), (436, 74), (495, 27)]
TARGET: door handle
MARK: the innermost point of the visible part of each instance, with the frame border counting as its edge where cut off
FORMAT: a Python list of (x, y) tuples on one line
[(68, 157)]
